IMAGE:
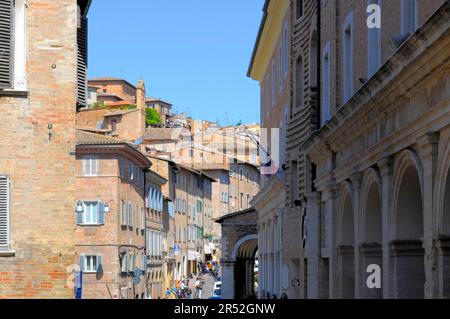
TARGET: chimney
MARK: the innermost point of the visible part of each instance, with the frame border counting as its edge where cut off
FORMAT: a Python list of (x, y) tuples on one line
[(140, 95)]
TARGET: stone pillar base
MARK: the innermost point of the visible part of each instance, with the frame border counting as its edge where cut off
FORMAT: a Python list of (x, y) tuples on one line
[(408, 269), (371, 254)]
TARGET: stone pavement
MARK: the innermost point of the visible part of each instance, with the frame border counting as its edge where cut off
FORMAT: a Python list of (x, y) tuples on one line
[(207, 288)]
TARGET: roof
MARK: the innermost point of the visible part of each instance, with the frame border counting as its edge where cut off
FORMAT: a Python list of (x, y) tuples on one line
[(89, 138), (195, 171), (92, 129), (167, 134), (119, 112), (110, 79), (258, 37), (84, 138), (228, 216), (158, 100)]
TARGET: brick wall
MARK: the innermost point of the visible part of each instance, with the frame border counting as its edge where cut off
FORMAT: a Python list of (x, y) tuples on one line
[(42, 169)]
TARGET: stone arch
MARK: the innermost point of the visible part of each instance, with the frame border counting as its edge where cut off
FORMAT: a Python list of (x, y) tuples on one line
[(442, 197), (345, 215), (346, 240), (243, 254), (408, 172), (407, 253), (442, 213), (371, 218), (240, 245), (371, 228)]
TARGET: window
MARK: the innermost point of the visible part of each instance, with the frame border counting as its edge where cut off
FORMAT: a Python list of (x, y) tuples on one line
[(92, 213), (299, 82), (373, 47), (123, 214), (142, 218), (199, 206), (4, 213), (242, 201), (274, 83), (113, 125), (191, 153), (326, 85), (280, 68), (123, 168), (12, 44), (6, 44), (299, 9), (82, 43), (91, 263), (286, 49), (409, 16), (130, 170), (347, 46), (130, 214), (90, 166)]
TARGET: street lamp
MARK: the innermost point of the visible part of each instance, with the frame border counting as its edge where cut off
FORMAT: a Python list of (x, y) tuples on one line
[(106, 208)]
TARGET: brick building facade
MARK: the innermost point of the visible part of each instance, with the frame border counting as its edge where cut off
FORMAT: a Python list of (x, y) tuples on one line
[(38, 98)]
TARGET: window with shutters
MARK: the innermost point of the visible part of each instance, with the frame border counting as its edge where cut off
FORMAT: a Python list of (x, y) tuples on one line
[(82, 56), (4, 213), (123, 168), (6, 44), (130, 170), (90, 166), (91, 263), (93, 214), (123, 214), (130, 214)]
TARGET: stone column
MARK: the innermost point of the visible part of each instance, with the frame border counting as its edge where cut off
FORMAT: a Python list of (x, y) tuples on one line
[(386, 170), (328, 249), (428, 150), (228, 279), (356, 179), (261, 267), (313, 244), (443, 251)]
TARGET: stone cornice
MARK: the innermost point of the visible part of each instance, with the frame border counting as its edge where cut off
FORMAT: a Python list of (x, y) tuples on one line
[(270, 194), (380, 94)]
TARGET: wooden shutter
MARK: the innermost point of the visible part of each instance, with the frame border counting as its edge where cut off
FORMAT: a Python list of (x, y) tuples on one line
[(4, 212), (101, 213), (99, 264), (80, 216), (124, 266), (82, 41), (82, 262), (6, 44)]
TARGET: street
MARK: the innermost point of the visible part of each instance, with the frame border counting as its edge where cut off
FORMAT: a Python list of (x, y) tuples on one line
[(207, 287)]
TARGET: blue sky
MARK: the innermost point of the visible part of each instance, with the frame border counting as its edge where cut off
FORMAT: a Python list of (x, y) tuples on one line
[(193, 53)]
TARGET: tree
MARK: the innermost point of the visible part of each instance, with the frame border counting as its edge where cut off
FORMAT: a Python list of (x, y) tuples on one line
[(152, 117)]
